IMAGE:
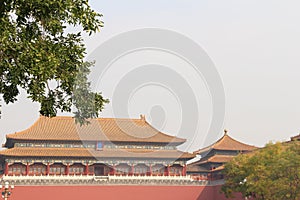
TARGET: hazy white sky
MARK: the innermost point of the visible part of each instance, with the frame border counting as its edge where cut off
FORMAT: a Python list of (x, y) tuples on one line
[(254, 44)]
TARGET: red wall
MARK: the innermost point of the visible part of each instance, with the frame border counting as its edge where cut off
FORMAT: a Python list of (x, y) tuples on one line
[(117, 192)]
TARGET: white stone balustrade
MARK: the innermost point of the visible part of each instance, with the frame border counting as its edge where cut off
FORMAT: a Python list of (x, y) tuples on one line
[(128, 177), (105, 180)]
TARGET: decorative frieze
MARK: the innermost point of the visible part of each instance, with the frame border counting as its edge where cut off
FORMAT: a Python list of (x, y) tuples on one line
[(89, 145), (109, 162)]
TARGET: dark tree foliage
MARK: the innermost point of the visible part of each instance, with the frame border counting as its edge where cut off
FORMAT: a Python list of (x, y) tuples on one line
[(270, 173), (40, 56)]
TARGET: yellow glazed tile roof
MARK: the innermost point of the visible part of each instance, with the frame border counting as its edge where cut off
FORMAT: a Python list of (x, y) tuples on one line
[(87, 153), (214, 159), (218, 159), (100, 129), (227, 143)]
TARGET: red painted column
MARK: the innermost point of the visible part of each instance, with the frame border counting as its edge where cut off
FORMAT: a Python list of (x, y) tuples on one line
[(184, 170), (132, 169), (67, 169), (87, 169), (27, 169), (114, 169), (150, 169), (48, 169), (6, 168), (209, 177), (168, 170)]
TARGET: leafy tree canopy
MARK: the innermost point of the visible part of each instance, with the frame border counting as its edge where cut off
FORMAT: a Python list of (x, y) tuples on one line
[(269, 173), (40, 56)]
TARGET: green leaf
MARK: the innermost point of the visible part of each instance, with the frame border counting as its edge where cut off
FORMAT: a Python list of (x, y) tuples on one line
[(36, 50)]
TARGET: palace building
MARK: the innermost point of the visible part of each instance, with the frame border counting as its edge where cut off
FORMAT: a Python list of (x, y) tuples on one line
[(110, 158), (214, 157), (106, 146)]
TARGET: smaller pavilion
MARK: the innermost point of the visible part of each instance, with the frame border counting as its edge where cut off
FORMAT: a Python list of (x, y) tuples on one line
[(295, 138), (215, 156)]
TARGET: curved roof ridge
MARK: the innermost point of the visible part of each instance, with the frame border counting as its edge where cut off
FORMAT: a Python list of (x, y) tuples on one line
[(226, 142), (25, 130), (111, 118), (231, 138), (170, 136)]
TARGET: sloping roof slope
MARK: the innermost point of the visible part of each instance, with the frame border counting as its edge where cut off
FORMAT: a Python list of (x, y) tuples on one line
[(92, 153), (227, 143), (100, 129)]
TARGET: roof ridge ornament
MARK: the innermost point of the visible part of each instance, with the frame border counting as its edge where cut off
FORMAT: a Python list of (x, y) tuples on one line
[(225, 132), (143, 118)]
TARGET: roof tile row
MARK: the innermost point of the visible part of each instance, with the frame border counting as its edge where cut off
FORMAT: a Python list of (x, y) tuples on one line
[(101, 129)]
